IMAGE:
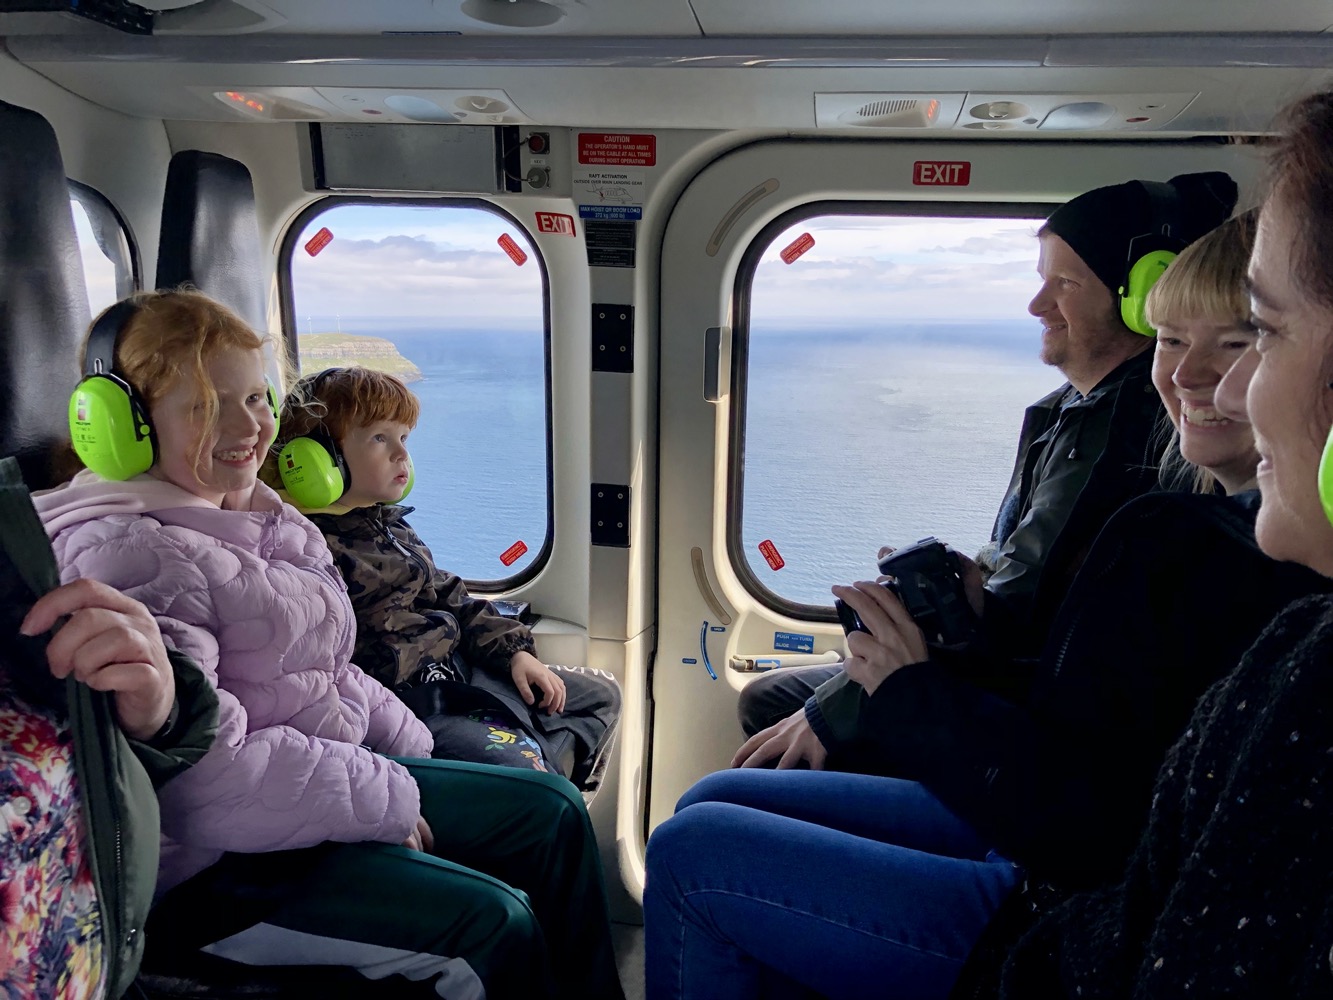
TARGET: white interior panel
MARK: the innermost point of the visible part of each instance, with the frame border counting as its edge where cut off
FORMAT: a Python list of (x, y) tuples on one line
[(356, 17), (856, 17), (764, 97)]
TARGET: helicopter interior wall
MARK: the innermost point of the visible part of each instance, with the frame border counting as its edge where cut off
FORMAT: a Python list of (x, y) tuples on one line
[(720, 130)]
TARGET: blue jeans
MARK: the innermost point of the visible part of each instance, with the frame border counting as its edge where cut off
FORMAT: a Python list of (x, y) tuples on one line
[(768, 882)]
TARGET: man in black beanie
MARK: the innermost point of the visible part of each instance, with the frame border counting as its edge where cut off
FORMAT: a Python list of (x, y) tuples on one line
[(1085, 449), (1083, 452)]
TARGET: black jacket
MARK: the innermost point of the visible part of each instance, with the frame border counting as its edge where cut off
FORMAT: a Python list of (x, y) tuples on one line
[(410, 614), (1078, 463), (1230, 891), (1056, 767)]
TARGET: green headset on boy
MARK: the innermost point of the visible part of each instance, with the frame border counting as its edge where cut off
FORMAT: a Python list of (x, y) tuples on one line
[(312, 467), (109, 424)]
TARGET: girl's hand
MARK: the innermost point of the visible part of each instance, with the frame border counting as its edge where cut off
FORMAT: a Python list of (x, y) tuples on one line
[(528, 672), (421, 838), (893, 641), (111, 643)]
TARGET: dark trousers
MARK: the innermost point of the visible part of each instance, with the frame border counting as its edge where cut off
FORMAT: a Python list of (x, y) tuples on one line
[(771, 697), (486, 722), (511, 900)]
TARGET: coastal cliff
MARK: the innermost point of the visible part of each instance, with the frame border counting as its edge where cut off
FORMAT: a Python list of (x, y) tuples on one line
[(327, 350)]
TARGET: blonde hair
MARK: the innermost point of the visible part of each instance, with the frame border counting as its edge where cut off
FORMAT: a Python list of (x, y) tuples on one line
[(173, 335), (1205, 282)]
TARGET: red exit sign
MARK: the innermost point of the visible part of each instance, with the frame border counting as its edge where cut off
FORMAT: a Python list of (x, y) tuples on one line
[(554, 222), (947, 173)]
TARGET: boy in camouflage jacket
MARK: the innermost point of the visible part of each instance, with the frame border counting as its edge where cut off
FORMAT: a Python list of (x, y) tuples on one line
[(467, 671)]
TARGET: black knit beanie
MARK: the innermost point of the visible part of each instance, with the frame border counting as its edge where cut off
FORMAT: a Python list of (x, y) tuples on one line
[(1100, 224)]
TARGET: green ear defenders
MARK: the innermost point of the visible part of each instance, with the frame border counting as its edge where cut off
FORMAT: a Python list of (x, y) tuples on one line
[(313, 470), (1326, 475), (1149, 255), (312, 467), (108, 420)]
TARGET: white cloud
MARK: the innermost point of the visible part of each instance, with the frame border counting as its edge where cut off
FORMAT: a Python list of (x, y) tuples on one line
[(899, 269), (413, 280), (417, 266)]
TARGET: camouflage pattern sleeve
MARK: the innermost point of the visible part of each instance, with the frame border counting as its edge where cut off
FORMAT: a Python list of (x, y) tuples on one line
[(489, 640)]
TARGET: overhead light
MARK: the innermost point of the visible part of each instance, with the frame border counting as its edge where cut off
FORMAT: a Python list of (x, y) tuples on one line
[(1079, 115), (513, 13)]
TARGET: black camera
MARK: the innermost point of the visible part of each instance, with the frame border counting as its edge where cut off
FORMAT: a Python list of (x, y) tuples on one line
[(928, 579)]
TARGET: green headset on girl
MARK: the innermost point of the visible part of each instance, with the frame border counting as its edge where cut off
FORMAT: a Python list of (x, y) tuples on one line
[(109, 424)]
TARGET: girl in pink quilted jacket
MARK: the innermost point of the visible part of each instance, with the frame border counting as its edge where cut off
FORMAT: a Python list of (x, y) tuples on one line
[(312, 833)]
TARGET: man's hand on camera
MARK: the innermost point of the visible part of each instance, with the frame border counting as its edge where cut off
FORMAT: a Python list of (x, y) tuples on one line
[(974, 582)]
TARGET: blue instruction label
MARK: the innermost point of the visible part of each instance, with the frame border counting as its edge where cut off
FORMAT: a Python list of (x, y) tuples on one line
[(794, 642), (689, 659), (617, 212)]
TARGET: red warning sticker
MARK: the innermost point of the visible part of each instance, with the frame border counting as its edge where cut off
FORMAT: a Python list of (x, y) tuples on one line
[(512, 554), (797, 247), (622, 149), (515, 251), (945, 173), (319, 241), (554, 222), (770, 554)]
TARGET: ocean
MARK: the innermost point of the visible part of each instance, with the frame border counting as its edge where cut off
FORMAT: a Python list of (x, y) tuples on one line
[(854, 439)]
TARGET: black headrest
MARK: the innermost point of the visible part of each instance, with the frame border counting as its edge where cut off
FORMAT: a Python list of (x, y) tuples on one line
[(210, 233), (43, 298)]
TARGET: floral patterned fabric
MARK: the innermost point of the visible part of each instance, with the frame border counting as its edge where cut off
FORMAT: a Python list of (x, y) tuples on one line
[(50, 925)]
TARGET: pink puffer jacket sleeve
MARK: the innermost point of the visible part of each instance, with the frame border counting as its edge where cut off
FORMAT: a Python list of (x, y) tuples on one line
[(276, 788), (393, 729), (271, 789)]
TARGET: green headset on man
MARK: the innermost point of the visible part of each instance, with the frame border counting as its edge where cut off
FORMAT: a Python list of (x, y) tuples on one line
[(113, 436)]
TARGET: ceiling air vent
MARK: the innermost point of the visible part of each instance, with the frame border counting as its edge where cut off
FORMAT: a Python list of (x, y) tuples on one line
[(887, 111)]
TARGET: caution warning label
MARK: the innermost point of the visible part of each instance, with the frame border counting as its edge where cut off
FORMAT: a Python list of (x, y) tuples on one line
[(623, 149)]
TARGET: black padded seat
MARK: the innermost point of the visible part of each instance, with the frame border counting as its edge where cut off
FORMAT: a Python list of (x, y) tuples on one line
[(210, 233), (43, 297)]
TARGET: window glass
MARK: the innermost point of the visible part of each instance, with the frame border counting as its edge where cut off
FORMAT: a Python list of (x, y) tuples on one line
[(104, 246), (889, 366), (452, 299)]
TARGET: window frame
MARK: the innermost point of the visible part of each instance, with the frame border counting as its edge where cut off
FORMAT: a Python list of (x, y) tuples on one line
[(85, 194), (742, 290), (288, 247)]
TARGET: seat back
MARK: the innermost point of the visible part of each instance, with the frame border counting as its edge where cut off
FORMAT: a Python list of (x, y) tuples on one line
[(210, 233), (43, 297)]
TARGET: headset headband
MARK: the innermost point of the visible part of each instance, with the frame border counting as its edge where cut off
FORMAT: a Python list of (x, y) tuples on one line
[(1165, 211), (100, 354)]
